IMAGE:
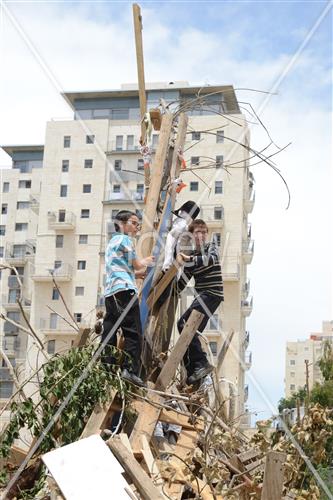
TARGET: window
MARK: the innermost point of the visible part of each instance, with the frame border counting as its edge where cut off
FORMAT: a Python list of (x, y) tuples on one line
[(217, 239), (88, 163), (140, 188), (4, 208), (214, 322), (119, 114), (114, 214), (155, 141), (85, 213), (83, 239), (119, 143), (65, 166), (196, 136), (55, 294), (53, 321), (292, 387), (67, 141), (116, 188), (51, 347), (78, 317), (59, 241), (194, 186), (90, 139), (220, 136), (5, 187), (57, 264), (6, 389), (1, 251), (21, 205), (140, 164), (79, 290), (130, 142), (63, 191), (21, 226), (219, 161), (2, 230), (117, 164), (218, 213), (81, 265), (62, 216), (292, 362), (218, 187), (195, 160), (87, 188), (213, 348), (13, 296), (292, 374), (24, 184)]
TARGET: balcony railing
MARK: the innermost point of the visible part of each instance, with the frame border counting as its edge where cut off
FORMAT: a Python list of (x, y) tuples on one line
[(246, 339), (61, 221), (16, 254), (248, 360), (123, 148), (56, 326), (248, 250), (45, 272), (249, 201), (247, 306), (125, 197), (13, 281)]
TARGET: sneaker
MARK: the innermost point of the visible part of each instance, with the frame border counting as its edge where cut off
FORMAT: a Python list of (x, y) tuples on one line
[(200, 373), (132, 378)]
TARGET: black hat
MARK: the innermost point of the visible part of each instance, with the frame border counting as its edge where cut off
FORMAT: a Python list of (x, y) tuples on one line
[(190, 207)]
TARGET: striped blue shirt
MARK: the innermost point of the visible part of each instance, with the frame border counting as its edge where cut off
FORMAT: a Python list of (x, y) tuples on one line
[(119, 257)]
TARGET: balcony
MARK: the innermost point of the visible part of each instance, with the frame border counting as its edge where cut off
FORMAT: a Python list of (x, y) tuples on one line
[(116, 148), (248, 250), (122, 197), (230, 268), (18, 254), (249, 201), (54, 326), (34, 203), (246, 339), (247, 306), (248, 360), (246, 393), (45, 272), (246, 289), (61, 221)]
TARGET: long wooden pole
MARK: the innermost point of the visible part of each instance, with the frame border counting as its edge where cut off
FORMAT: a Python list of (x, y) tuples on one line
[(137, 18)]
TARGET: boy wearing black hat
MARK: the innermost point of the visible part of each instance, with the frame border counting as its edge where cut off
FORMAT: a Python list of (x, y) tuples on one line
[(203, 264)]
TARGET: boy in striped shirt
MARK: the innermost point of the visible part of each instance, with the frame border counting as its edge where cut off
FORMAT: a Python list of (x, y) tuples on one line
[(203, 264)]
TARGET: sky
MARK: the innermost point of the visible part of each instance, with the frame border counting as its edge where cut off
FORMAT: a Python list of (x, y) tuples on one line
[(283, 47)]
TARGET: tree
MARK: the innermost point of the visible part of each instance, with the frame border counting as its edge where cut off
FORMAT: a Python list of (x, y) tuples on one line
[(326, 362), (289, 403)]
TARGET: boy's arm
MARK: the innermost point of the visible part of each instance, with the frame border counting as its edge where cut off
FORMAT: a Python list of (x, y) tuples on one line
[(208, 259)]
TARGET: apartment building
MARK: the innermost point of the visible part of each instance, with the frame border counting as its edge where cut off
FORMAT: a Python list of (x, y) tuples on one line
[(297, 353), (92, 168)]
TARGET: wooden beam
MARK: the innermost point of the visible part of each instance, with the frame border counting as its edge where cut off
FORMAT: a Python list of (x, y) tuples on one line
[(173, 417), (145, 423), (273, 476), (224, 349), (146, 239), (169, 369), (99, 417), (161, 285), (137, 18), (82, 337), (143, 483)]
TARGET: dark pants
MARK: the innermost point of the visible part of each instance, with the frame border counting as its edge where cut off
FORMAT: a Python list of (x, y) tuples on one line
[(195, 357), (130, 325)]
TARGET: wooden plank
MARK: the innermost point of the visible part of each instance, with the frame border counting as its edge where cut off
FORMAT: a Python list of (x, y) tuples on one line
[(137, 18), (161, 285), (169, 369), (124, 439), (249, 455), (172, 417), (143, 483), (99, 417), (152, 465), (82, 337), (146, 239), (174, 490), (186, 442), (145, 423), (273, 477), (224, 350)]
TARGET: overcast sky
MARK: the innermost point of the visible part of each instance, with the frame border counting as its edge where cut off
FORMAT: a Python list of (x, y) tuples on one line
[(47, 47)]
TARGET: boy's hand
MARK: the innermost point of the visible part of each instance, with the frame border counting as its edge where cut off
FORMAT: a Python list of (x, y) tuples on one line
[(184, 257), (149, 261), (141, 274)]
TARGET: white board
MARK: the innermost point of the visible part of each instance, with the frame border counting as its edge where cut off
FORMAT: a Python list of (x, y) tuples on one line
[(87, 469)]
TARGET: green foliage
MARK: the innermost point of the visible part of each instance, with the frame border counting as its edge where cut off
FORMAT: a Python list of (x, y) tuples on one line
[(323, 394), (58, 376), (326, 362), (291, 402)]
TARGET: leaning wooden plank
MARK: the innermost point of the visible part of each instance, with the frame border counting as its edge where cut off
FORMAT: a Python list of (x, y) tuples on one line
[(82, 337), (172, 417), (178, 352), (224, 350), (145, 423), (99, 417), (143, 483), (249, 455), (140, 65), (152, 465), (161, 285), (273, 477)]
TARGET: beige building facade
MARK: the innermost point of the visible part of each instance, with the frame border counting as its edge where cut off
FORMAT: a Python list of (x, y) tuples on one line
[(302, 351), (92, 168)]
